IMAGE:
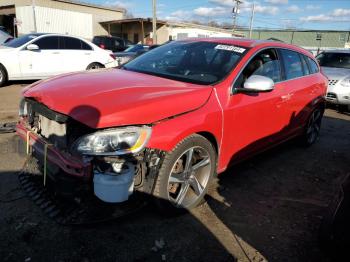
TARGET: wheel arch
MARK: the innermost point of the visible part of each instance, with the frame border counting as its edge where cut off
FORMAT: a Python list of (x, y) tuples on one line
[(211, 138)]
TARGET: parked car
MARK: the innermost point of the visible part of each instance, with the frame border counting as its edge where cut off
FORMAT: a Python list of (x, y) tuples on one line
[(336, 65), (112, 43), (130, 53), (37, 56), (166, 122), (4, 36)]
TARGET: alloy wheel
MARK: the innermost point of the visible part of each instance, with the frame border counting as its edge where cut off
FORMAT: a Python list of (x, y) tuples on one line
[(314, 126), (189, 177)]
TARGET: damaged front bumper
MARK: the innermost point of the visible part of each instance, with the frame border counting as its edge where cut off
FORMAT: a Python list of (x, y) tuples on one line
[(112, 179)]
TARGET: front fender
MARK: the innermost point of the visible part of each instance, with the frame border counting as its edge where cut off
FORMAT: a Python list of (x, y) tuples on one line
[(166, 134)]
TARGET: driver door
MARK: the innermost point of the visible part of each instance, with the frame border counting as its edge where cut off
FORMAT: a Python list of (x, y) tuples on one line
[(257, 120)]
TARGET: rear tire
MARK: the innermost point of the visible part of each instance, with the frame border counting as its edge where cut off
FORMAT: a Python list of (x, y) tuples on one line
[(95, 65), (312, 130), (3, 76), (181, 184)]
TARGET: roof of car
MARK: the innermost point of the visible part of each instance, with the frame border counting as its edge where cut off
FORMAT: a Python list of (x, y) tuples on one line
[(250, 43)]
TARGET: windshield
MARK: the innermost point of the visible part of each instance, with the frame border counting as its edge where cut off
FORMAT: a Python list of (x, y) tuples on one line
[(338, 60), (17, 42), (134, 48), (194, 62)]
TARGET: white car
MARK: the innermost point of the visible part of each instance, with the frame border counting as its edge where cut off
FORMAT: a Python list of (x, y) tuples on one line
[(38, 56), (336, 66)]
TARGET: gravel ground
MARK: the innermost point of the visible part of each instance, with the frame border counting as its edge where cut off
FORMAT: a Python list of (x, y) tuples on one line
[(267, 208)]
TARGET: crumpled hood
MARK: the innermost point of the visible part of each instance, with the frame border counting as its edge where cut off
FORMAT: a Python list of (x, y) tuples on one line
[(336, 73), (114, 97)]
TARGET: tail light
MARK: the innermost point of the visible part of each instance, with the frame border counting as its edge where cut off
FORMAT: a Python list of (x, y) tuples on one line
[(113, 56), (102, 46)]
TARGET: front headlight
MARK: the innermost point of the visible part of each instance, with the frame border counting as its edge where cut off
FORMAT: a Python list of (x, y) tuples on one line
[(345, 82), (23, 110), (110, 142)]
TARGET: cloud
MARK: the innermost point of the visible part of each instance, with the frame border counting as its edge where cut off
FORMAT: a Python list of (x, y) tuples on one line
[(313, 7), (210, 11), (277, 2), (222, 2), (341, 12), (324, 18), (293, 9), (120, 4), (269, 10), (179, 15)]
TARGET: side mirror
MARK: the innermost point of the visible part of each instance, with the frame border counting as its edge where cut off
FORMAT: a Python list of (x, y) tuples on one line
[(32, 47), (256, 84)]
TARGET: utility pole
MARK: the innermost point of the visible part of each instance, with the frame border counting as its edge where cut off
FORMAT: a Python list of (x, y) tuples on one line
[(235, 12), (34, 16), (251, 21), (154, 21)]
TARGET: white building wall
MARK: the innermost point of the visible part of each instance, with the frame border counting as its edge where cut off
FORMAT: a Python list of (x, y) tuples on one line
[(178, 33), (51, 20)]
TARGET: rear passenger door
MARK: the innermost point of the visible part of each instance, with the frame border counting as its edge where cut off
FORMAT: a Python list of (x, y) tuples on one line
[(77, 54), (299, 86)]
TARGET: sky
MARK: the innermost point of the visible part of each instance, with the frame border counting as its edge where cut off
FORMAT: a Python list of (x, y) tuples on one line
[(274, 14)]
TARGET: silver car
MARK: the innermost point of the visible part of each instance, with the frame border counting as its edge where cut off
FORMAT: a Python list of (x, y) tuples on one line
[(336, 66)]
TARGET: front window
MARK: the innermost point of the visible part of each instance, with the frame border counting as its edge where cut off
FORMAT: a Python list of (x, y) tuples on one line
[(17, 42), (194, 62), (338, 60)]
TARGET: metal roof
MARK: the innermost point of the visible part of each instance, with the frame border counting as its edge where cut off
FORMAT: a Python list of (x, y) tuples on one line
[(110, 8)]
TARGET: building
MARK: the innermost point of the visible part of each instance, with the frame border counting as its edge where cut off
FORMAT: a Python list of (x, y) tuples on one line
[(56, 16), (309, 39), (140, 30)]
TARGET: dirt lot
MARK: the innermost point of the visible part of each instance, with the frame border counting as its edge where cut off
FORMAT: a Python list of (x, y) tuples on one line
[(268, 208)]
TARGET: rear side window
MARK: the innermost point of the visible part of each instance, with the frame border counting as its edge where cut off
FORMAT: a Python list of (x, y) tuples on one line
[(71, 43), (292, 64), (305, 65), (313, 65), (47, 43)]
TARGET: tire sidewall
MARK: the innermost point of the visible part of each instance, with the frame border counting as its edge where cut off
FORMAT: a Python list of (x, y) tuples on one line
[(4, 73), (161, 188)]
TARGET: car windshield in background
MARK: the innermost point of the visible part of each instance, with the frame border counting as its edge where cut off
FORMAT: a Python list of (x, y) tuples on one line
[(338, 60), (17, 42), (135, 48), (194, 62)]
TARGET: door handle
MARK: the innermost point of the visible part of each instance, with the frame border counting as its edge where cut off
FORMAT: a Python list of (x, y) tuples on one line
[(287, 96), (87, 53), (55, 53)]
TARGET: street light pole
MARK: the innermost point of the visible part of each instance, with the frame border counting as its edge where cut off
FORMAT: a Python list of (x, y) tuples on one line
[(235, 14), (154, 21), (251, 21)]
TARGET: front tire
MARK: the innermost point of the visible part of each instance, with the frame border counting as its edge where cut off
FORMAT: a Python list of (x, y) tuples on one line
[(185, 175), (95, 65), (3, 76)]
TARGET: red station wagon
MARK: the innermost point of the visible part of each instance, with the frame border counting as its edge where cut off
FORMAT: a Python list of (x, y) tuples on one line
[(167, 122)]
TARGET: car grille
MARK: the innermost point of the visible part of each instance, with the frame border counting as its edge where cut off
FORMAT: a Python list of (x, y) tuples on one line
[(332, 82), (331, 95), (58, 129)]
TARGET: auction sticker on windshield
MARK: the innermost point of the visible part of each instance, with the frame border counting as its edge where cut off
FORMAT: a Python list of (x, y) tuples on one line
[(230, 48)]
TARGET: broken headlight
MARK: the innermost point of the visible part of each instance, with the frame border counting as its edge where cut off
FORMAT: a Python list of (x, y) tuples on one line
[(113, 141)]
